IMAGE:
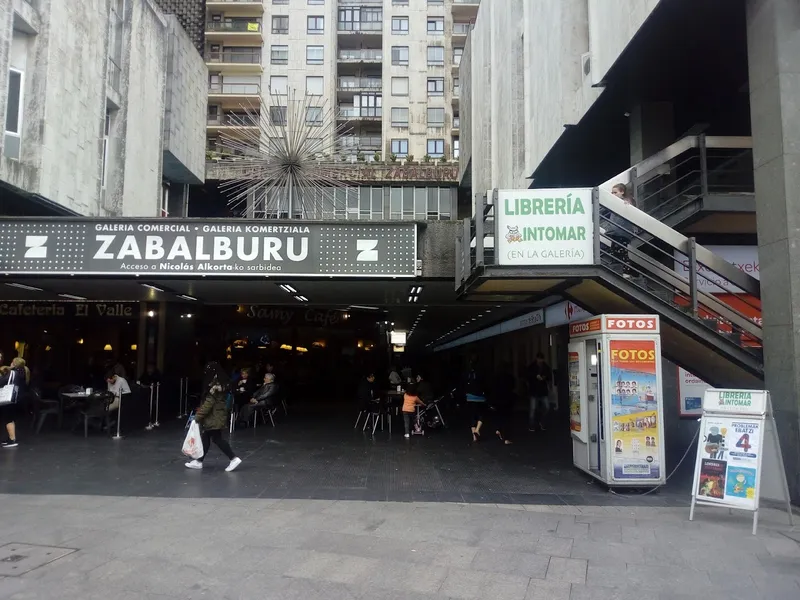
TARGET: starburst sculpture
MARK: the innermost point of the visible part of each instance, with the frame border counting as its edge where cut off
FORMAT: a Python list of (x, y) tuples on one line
[(284, 161)]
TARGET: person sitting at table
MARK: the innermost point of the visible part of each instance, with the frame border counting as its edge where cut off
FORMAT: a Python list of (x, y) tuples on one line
[(118, 386), (263, 398), (366, 391), (244, 389)]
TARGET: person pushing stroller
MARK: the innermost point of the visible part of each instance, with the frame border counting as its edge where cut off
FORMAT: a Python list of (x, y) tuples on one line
[(411, 401)]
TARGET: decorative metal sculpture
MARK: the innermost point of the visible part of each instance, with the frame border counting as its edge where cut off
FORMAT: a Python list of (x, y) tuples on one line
[(283, 160)]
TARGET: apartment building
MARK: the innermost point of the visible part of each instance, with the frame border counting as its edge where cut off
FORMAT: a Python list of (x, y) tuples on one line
[(387, 68), (104, 109)]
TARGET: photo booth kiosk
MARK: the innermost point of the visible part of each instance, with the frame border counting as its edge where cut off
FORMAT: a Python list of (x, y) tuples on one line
[(615, 399)]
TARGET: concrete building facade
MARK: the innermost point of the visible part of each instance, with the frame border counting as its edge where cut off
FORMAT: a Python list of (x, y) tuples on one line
[(103, 105)]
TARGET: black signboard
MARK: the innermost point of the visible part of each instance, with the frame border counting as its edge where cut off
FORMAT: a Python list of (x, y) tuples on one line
[(207, 247)]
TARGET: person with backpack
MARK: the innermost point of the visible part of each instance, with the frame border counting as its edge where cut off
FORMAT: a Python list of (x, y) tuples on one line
[(212, 416)]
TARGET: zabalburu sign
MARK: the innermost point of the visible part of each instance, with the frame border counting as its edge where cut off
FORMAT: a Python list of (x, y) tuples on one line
[(194, 247), (544, 227)]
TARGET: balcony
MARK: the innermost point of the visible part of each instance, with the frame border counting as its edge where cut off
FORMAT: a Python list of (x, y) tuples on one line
[(461, 29), (232, 121), (362, 27), (359, 143), (235, 92), (241, 30), (456, 125), (240, 61), (454, 100), (465, 9), (360, 114), (359, 84), (360, 2), (360, 56)]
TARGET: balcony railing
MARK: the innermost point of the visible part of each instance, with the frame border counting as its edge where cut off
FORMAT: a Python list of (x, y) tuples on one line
[(234, 120), (360, 142), (360, 113), (359, 83), (114, 74), (234, 2), (239, 57), (356, 26), (456, 123), (360, 55), (235, 26), (461, 28), (235, 89), (466, 2), (360, 2)]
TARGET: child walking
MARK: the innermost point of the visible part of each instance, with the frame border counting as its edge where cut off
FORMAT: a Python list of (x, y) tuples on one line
[(410, 403)]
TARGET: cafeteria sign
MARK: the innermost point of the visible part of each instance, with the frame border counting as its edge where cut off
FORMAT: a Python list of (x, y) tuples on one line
[(206, 247), (544, 227)]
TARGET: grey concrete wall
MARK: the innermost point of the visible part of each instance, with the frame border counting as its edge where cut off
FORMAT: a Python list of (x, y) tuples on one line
[(191, 15), (185, 108), (465, 109), (437, 248), (480, 121), (773, 39)]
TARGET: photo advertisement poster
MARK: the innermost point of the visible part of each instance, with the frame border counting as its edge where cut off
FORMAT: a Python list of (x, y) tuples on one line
[(730, 447), (634, 405), (574, 363)]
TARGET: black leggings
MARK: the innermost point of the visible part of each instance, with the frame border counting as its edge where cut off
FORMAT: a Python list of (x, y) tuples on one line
[(215, 435)]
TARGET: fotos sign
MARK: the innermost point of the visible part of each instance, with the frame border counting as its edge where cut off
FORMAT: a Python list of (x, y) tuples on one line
[(544, 227), (207, 247)]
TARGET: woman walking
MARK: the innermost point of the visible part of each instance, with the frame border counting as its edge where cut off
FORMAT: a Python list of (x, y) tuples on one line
[(212, 416), (476, 400), (18, 376)]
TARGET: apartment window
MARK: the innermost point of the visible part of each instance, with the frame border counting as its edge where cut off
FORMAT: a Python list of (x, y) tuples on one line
[(400, 25), (435, 56), (280, 24), (455, 148), (435, 86), (316, 2), (435, 117), (315, 55), (435, 148), (316, 25), (436, 25), (279, 55), (279, 84), (277, 115), (315, 86), (400, 117), (13, 114), (399, 2), (314, 116), (280, 1), (369, 105), (435, 2), (106, 135), (400, 147), (457, 53), (399, 86), (456, 86), (400, 55)]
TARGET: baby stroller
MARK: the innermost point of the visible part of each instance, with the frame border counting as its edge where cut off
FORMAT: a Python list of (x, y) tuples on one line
[(428, 417)]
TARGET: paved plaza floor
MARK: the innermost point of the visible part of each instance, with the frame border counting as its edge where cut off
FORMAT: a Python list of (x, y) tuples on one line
[(326, 513)]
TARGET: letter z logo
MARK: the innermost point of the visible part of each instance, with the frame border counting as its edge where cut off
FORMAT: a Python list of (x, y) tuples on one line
[(36, 246), (367, 250)]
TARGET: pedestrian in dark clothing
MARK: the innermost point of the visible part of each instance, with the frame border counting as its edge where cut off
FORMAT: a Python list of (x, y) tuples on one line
[(476, 401), (424, 388), (18, 377), (264, 397), (243, 389), (366, 391), (621, 232), (502, 401), (539, 377), (212, 416)]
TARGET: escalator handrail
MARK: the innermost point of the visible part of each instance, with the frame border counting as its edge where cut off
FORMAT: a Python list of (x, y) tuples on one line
[(679, 242)]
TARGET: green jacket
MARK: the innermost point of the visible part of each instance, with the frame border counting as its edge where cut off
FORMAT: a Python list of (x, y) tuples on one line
[(213, 413)]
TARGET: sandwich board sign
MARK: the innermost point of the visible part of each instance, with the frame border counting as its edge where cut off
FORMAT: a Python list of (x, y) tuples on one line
[(737, 430)]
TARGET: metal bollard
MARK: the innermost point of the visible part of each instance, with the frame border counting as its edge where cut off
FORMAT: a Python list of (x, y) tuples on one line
[(119, 420), (158, 390), (150, 414), (180, 400)]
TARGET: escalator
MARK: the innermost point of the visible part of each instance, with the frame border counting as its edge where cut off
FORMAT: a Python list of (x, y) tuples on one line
[(710, 310)]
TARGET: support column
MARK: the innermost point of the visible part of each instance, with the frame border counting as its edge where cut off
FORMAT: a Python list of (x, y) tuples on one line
[(773, 45)]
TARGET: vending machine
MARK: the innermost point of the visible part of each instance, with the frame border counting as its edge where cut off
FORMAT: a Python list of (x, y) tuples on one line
[(615, 396)]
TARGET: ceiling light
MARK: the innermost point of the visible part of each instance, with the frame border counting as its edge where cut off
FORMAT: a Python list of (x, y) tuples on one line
[(72, 297), (186, 297), (287, 288), (152, 287), (356, 306), (22, 286), (151, 313), (301, 298)]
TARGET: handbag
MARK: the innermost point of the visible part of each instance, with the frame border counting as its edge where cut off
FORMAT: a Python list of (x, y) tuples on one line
[(8, 393), (192, 444)]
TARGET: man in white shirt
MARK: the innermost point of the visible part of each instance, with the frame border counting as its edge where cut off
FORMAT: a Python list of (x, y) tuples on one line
[(117, 386)]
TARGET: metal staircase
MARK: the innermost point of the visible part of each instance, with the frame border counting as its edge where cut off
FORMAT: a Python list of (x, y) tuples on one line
[(714, 334)]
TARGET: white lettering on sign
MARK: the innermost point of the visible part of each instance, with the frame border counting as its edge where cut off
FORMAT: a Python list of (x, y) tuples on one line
[(218, 248), (643, 324), (36, 247), (367, 250)]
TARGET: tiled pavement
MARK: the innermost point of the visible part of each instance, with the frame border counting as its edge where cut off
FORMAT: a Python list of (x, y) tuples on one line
[(522, 528)]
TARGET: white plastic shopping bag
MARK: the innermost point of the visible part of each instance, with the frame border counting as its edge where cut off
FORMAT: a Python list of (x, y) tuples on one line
[(192, 445)]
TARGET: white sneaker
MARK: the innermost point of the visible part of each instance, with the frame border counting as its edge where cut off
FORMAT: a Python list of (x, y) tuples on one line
[(234, 463), (406, 436), (195, 464)]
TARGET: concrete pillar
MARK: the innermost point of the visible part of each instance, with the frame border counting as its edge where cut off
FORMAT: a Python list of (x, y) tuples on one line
[(652, 128), (773, 48)]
